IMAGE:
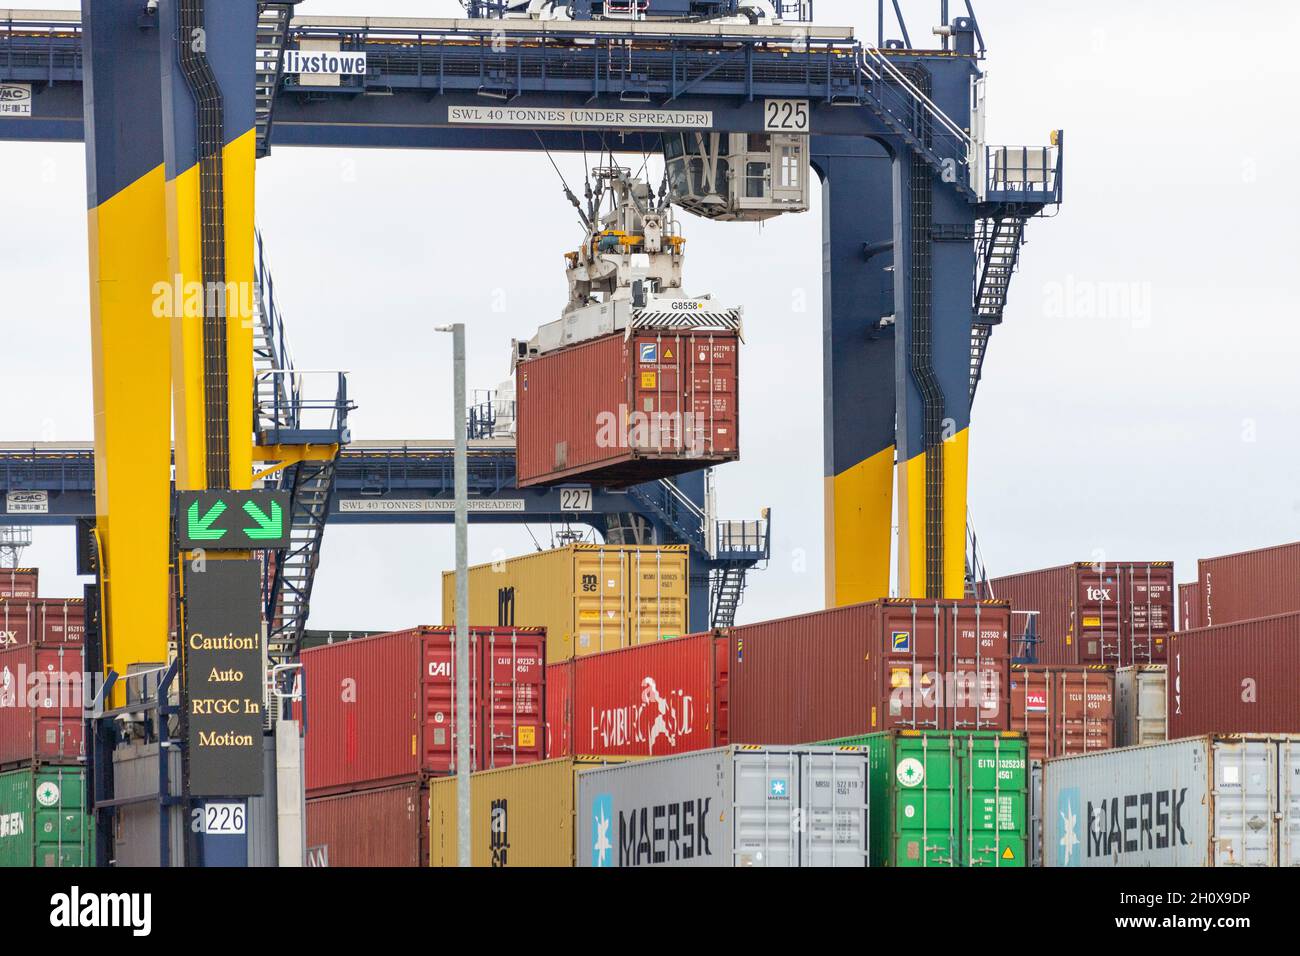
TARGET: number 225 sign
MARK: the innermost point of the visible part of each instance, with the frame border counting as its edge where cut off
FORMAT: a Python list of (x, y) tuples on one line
[(785, 116)]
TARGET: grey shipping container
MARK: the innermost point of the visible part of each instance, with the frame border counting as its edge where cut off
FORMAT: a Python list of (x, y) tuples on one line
[(1199, 801), (731, 806), (1140, 705), (138, 827)]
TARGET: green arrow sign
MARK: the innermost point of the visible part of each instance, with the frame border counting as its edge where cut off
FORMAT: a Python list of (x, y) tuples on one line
[(272, 527), (201, 529), (253, 519)]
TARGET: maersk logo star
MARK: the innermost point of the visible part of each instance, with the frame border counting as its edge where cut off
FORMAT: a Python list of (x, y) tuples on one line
[(600, 823), (1070, 836), (777, 788)]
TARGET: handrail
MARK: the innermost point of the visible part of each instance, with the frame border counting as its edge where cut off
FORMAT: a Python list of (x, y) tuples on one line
[(935, 112)]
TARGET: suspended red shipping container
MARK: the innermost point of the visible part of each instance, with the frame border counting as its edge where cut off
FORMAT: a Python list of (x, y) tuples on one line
[(1118, 613), (387, 826), (18, 582), (1068, 709), (1250, 584), (41, 710), (42, 621), (1238, 678), (651, 700), (625, 409), (891, 664), (382, 709)]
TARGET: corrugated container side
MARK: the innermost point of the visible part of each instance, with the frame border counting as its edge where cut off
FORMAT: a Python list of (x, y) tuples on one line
[(650, 700), (382, 709), (867, 667), (46, 819), (42, 621), (1242, 677), (1065, 709), (19, 582), (1250, 584), (385, 826), (613, 409), (363, 711), (1140, 705), (1196, 801), (559, 709), (41, 712), (1118, 613), (521, 816), (1190, 611), (590, 598)]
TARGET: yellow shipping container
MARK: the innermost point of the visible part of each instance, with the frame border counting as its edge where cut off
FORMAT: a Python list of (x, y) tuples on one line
[(520, 816), (589, 597)]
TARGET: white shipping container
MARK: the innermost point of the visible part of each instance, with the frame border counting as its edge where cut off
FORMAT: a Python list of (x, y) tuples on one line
[(731, 806), (1140, 705), (1199, 801)]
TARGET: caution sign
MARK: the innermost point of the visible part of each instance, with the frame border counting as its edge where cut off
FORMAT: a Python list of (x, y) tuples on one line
[(527, 736), (1007, 854), (649, 379)]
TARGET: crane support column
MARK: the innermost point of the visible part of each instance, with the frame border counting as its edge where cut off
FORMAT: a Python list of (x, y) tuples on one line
[(209, 52), (933, 229), (129, 334), (858, 383)]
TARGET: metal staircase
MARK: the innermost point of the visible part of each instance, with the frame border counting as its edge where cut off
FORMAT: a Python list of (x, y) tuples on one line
[(280, 412), (293, 572), (977, 575), (998, 243), (272, 32), (726, 588), (900, 104)]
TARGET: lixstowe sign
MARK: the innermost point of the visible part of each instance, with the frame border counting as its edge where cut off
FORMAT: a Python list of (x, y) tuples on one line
[(329, 62)]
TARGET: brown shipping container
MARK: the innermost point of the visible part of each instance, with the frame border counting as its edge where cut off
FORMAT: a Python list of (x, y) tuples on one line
[(614, 409), (382, 709), (1238, 678), (1190, 611), (388, 826), (1063, 710), (18, 582), (41, 713), (652, 700), (1119, 613), (891, 664), (1250, 584), (42, 621)]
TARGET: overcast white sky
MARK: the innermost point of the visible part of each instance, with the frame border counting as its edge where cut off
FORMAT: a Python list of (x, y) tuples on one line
[(1159, 430)]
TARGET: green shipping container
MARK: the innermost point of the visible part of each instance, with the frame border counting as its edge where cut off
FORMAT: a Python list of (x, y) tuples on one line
[(43, 818), (946, 797)]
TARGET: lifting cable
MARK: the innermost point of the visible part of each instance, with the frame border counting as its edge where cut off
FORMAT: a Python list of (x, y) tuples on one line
[(567, 191)]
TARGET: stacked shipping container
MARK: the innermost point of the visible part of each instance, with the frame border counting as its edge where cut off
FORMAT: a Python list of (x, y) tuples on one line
[(381, 717), (891, 664), (1114, 613), (42, 621), (588, 597), (1063, 710), (1242, 677), (645, 701), (19, 582), (1250, 584)]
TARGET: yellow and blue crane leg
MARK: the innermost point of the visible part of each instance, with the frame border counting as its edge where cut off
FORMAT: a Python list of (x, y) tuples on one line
[(129, 333)]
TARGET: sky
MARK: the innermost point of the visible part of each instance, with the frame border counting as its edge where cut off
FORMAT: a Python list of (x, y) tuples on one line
[(1138, 403)]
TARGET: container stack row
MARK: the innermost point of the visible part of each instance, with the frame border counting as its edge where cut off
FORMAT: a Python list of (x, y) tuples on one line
[(45, 817)]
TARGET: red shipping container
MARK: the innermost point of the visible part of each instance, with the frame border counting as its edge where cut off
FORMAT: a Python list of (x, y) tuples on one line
[(42, 621), (1190, 611), (1238, 678), (651, 700), (382, 709), (41, 712), (626, 409), (388, 826), (18, 582), (1250, 584), (891, 664), (1117, 613), (1063, 710)]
